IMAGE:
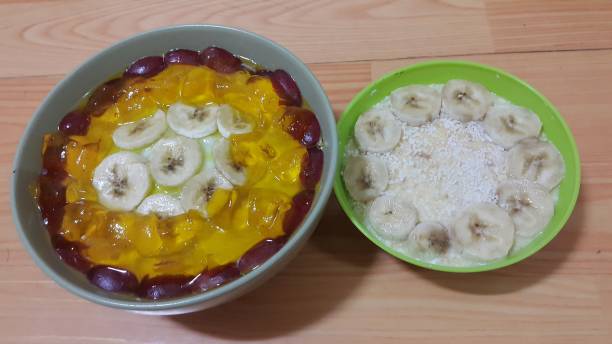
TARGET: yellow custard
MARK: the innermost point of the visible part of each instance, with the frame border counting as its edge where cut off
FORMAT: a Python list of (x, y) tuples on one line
[(186, 244)]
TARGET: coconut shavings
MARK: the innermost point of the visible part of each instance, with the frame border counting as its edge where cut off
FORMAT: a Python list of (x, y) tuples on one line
[(445, 165)]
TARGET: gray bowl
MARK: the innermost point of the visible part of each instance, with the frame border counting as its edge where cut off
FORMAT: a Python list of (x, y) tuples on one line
[(100, 68)]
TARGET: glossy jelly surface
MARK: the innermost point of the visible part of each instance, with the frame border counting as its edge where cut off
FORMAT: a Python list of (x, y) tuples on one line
[(157, 257)]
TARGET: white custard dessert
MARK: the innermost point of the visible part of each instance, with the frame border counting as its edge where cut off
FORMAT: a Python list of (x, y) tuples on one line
[(452, 174)]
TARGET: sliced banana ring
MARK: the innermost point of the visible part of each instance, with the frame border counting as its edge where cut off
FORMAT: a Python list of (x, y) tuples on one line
[(365, 177), (231, 122), (393, 216), (377, 131), (199, 190), (465, 101), (416, 104), (232, 170), (121, 181), (537, 161), (173, 160), (431, 237), (529, 205), (484, 231), (161, 205), (140, 133), (509, 124), (193, 122)]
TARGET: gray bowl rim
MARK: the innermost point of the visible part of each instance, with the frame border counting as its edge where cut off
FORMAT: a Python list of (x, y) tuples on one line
[(305, 229)]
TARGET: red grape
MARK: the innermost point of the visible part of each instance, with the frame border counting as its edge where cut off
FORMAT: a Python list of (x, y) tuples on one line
[(259, 253), (286, 88), (302, 125), (112, 279), (70, 253), (182, 56), (220, 60), (104, 96), (74, 123), (53, 158), (300, 206), (216, 277), (51, 201), (163, 287), (146, 66), (51, 189), (312, 167)]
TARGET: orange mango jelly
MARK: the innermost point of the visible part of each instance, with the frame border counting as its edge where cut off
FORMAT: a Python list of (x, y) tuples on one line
[(189, 243)]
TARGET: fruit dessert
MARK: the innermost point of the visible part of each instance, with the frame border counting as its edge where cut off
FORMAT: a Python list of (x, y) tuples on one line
[(182, 174), (452, 174)]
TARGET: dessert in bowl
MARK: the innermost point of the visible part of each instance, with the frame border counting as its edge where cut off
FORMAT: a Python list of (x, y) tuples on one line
[(456, 166), (195, 172)]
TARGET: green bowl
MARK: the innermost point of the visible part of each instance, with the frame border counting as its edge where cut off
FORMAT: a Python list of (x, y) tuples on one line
[(504, 85)]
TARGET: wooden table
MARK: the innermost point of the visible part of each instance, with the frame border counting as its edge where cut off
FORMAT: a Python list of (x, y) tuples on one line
[(341, 288)]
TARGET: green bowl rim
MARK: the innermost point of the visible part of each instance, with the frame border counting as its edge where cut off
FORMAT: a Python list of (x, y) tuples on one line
[(345, 201), (235, 287)]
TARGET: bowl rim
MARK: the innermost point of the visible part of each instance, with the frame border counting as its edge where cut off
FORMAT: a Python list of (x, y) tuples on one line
[(345, 201), (234, 287)]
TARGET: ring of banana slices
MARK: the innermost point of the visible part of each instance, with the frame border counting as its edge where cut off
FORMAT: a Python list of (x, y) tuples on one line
[(170, 157), (182, 173), (520, 208)]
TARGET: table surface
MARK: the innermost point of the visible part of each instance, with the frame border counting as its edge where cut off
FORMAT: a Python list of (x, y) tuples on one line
[(341, 287)]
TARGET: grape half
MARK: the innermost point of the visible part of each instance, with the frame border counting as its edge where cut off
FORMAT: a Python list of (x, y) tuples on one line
[(163, 287), (146, 66), (182, 56), (300, 206), (312, 168), (70, 253), (104, 96), (286, 88), (112, 279), (259, 253), (74, 123), (302, 124), (216, 277), (220, 60), (53, 157)]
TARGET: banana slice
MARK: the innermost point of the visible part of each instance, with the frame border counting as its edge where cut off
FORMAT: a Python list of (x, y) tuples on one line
[(484, 231), (365, 177), (121, 181), (161, 205), (416, 104), (431, 237), (198, 190), (537, 161), (465, 101), (508, 124), (173, 160), (230, 122), (140, 133), (377, 131), (393, 216), (232, 170), (530, 205), (193, 122)]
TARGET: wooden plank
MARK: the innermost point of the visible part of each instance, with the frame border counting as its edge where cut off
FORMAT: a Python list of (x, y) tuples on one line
[(528, 25), (52, 37)]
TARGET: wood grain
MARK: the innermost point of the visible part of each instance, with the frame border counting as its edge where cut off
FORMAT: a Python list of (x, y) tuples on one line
[(341, 288), (54, 36)]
